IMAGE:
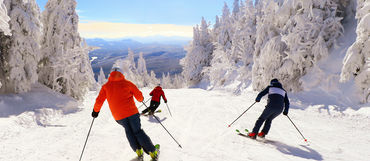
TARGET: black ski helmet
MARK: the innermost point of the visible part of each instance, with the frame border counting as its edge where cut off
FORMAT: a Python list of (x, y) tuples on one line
[(274, 81)]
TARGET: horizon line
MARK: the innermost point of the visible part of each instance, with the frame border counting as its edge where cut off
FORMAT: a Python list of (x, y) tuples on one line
[(116, 30)]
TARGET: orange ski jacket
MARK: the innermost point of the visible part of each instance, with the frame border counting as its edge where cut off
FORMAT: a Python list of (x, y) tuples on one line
[(119, 92)]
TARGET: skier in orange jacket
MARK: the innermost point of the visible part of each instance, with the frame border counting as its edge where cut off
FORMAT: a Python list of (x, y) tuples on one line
[(120, 92)]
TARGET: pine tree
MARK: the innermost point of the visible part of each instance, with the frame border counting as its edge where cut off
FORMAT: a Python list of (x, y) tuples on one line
[(153, 80), (20, 51), (141, 65), (357, 60), (221, 63), (292, 37), (199, 54), (101, 77), (65, 66), (166, 81)]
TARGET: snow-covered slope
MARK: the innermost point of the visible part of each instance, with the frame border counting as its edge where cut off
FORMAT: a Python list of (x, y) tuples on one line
[(199, 123)]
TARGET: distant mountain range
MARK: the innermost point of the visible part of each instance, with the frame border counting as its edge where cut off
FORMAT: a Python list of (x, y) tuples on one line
[(161, 55)]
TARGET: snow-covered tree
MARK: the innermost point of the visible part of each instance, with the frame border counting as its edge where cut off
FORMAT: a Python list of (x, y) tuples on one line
[(101, 77), (20, 51), (243, 41), (141, 65), (236, 10), (357, 60), (178, 81), (153, 79), (139, 75), (65, 65), (166, 81), (131, 60), (294, 35), (221, 63), (4, 19), (4, 25), (199, 54)]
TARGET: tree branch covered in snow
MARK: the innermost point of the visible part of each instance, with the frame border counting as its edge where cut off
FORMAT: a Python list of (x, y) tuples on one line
[(268, 39), (65, 65), (20, 52), (357, 60)]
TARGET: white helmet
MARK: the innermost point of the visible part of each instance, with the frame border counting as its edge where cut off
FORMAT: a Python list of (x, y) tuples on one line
[(116, 69)]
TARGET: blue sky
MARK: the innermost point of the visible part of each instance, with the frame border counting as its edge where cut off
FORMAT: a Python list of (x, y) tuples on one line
[(181, 15)]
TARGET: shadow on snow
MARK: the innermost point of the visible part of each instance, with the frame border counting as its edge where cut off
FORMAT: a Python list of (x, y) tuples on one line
[(303, 151)]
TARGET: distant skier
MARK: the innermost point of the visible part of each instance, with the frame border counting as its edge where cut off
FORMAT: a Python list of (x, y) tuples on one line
[(277, 99), (119, 92), (156, 94)]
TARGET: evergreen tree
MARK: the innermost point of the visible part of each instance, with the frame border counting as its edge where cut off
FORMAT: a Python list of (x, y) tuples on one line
[(292, 37), (101, 77), (65, 66), (141, 65), (199, 54), (357, 60), (221, 63), (20, 51), (166, 81)]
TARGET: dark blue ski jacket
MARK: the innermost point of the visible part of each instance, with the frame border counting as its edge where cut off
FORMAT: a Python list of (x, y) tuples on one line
[(277, 97)]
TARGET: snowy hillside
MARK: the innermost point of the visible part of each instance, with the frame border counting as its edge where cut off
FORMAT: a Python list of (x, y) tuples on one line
[(199, 123)]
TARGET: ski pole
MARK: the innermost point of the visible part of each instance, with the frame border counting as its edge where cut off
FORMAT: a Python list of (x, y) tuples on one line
[(145, 102), (296, 128), (168, 109), (165, 128), (87, 138), (242, 114)]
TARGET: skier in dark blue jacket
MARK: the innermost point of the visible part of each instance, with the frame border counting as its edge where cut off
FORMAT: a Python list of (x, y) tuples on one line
[(277, 100)]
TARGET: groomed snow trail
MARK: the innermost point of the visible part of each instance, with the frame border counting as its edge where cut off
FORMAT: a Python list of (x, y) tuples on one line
[(199, 123)]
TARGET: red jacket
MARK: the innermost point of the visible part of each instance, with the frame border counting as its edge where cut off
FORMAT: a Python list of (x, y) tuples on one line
[(119, 92), (157, 93)]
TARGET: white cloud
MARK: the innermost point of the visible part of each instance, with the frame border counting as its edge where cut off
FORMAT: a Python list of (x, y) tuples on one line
[(93, 29)]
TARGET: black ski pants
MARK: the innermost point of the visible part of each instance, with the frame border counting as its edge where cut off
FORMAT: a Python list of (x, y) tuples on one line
[(153, 106), (135, 134), (266, 117)]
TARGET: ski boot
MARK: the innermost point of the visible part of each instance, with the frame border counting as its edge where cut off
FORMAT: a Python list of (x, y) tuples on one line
[(154, 155), (140, 156), (151, 113), (252, 135), (261, 135)]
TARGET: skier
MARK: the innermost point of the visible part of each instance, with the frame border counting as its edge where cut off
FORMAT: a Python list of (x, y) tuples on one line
[(156, 100), (119, 92), (277, 98)]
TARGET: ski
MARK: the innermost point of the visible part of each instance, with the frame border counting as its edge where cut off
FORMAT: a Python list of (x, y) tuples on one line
[(141, 158), (147, 114), (260, 139), (239, 132), (245, 134), (157, 146)]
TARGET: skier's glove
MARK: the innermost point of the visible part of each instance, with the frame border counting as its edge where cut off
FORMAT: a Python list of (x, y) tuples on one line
[(165, 101), (257, 100), (285, 113), (94, 114)]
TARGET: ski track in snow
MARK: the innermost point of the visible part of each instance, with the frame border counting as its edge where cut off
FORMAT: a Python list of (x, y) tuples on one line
[(199, 124)]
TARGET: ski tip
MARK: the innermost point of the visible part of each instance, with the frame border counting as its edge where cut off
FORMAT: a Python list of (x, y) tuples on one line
[(305, 140), (180, 146), (228, 126)]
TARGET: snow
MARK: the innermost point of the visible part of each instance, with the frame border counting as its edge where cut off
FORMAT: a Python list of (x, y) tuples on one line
[(56, 132)]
